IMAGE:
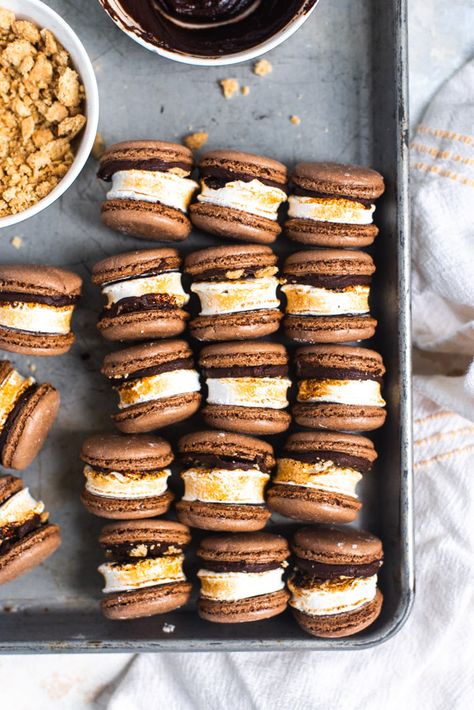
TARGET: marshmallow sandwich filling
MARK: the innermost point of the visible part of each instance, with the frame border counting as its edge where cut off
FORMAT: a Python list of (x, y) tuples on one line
[(232, 586), (167, 284), (357, 392), (303, 299), (36, 317), (267, 392), (160, 386), (253, 197), (12, 387), (130, 485), (330, 209), (19, 515), (322, 475), (219, 297), (323, 597), (218, 485), (146, 572), (167, 188)]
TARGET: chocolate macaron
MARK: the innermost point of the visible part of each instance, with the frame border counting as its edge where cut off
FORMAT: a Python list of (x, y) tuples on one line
[(339, 388), (126, 477), (327, 296), (151, 189), (224, 476), (333, 587), (240, 196), (145, 297), (36, 307), (144, 568), (332, 205), (156, 383), (317, 476), (27, 413), (237, 288), (247, 385), (26, 536), (242, 577)]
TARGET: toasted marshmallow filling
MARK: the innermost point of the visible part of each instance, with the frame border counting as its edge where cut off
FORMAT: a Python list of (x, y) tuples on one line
[(166, 384), (235, 296), (361, 392), (19, 508), (153, 186), (253, 197), (308, 300), (11, 389), (322, 475), (148, 572), (330, 209), (333, 596), (130, 485), (232, 586), (36, 317), (168, 283), (268, 392), (218, 485)]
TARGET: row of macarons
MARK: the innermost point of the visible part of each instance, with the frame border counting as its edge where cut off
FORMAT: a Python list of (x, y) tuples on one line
[(331, 585), (240, 195), (327, 297)]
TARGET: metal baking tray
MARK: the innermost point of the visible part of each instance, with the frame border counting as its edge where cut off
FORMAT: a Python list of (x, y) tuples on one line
[(345, 75)]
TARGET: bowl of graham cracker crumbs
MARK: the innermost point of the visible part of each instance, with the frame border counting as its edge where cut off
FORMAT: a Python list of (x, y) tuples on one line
[(49, 108)]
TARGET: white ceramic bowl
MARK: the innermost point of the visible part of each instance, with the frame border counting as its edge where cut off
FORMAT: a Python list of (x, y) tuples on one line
[(43, 16), (126, 24)]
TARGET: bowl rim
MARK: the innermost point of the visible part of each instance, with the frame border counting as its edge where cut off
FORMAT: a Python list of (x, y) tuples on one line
[(238, 57), (83, 65)]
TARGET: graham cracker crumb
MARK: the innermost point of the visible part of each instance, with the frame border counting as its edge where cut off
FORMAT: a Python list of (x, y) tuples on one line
[(196, 140), (32, 367), (262, 67), (16, 242), (41, 99), (168, 628), (245, 90), (98, 149), (295, 120), (229, 87)]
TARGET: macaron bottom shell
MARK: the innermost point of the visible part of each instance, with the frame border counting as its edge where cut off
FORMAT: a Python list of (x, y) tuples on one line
[(329, 329), (312, 506), (126, 509), (340, 625), (148, 601), (41, 344), (233, 224), (256, 608), (143, 325), (146, 220), (327, 234), (221, 516), (345, 417), (146, 417), (236, 326), (246, 420), (29, 552)]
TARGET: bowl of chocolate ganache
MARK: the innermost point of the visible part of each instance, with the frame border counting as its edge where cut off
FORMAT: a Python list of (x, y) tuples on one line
[(209, 32)]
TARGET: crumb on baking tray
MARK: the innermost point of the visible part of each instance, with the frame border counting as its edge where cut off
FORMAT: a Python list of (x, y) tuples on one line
[(229, 87), (295, 120), (262, 67), (245, 90), (196, 140), (41, 101), (168, 628), (16, 242)]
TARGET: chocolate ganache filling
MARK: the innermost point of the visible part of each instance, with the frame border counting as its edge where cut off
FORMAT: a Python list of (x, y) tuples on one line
[(207, 28)]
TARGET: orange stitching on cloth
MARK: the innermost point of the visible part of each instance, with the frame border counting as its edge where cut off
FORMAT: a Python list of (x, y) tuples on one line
[(441, 133), (443, 154), (443, 435), (444, 457), (424, 167), (436, 415)]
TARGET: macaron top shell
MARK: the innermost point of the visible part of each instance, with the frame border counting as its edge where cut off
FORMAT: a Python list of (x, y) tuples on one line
[(334, 179), (135, 263), (243, 164), (141, 452), (333, 262), (231, 258), (248, 354), (339, 357), (9, 485), (164, 531), (337, 544), (145, 155), (256, 548), (224, 444), (39, 280), (327, 442), (139, 357)]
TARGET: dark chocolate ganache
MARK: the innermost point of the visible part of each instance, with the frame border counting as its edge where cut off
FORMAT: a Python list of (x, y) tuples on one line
[(207, 28)]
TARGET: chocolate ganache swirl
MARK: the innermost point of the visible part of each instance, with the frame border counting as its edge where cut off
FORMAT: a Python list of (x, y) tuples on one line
[(206, 28)]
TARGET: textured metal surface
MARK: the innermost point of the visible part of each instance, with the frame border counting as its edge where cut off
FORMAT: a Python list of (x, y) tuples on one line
[(344, 75)]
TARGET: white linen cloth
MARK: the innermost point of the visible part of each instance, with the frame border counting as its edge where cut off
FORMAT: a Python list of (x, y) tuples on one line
[(428, 664)]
